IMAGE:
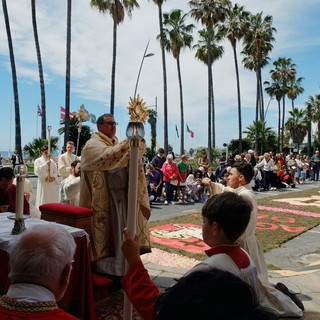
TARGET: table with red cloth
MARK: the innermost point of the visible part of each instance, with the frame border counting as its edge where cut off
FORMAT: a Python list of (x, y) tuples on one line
[(78, 298)]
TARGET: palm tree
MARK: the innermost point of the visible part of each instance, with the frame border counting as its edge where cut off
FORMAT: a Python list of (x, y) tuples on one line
[(203, 47), (42, 88), (159, 3), (68, 71), (33, 149), (284, 71), (235, 28), (294, 89), (210, 13), (14, 80), (117, 9), (176, 36), (152, 120), (257, 45), (274, 90), (313, 104), (266, 137), (85, 133), (297, 126)]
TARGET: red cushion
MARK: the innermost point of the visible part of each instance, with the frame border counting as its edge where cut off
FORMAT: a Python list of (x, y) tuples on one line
[(100, 281), (66, 209)]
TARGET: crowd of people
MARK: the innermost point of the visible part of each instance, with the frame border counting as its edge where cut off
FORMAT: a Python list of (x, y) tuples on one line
[(171, 181), (231, 283)]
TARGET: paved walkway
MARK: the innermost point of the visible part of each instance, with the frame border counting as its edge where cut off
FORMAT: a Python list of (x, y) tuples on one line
[(296, 263)]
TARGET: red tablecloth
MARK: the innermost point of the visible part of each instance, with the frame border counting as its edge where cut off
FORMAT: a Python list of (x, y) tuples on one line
[(79, 296)]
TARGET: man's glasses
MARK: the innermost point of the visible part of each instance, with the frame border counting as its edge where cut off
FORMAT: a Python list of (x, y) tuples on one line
[(111, 123)]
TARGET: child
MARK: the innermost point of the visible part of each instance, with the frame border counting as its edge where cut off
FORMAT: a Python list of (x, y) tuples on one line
[(225, 218)]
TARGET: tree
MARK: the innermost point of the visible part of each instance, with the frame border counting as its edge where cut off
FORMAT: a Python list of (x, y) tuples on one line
[(284, 71), (152, 120), (85, 133), (42, 88), (313, 114), (68, 71), (274, 90), (159, 3), (14, 79), (235, 27), (33, 149), (266, 138), (257, 45), (210, 13), (117, 9), (297, 126), (294, 89), (176, 36)]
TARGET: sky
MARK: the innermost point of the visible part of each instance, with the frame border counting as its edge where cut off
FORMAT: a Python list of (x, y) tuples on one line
[(297, 37)]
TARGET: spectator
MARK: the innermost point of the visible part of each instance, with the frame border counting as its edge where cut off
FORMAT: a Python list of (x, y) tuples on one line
[(203, 161), (40, 266), (156, 186), (170, 174), (8, 192), (268, 167), (315, 165), (16, 159)]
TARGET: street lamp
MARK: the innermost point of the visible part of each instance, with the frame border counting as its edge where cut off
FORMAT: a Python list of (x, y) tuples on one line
[(145, 55)]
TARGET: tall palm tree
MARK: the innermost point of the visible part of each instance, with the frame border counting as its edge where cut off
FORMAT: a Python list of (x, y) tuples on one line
[(42, 88), (117, 9), (257, 46), (203, 47), (284, 70), (297, 126), (14, 79), (159, 3), (294, 89), (314, 106), (177, 35), (235, 28), (210, 13), (68, 71), (274, 90)]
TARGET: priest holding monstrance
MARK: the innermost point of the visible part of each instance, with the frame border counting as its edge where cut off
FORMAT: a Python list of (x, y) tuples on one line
[(104, 189)]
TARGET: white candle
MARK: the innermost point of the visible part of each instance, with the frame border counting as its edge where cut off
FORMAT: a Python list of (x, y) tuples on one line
[(49, 141), (19, 197)]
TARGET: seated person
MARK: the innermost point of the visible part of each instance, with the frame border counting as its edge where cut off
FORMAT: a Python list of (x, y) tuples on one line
[(40, 267), (8, 192), (225, 218), (69, 192)]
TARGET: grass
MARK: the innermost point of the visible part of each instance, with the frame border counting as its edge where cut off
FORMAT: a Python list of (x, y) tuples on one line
[(273, 228)]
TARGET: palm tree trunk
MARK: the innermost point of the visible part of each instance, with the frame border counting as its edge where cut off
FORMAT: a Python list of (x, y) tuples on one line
[(14, 80), (279, 123), (113, 69), (209, 98), (181, 109), (283, 116), (68, 68), (309, 130), (42, 89), (165, 98), (239, 95), (261, 95), (213, 116), (257, 115)]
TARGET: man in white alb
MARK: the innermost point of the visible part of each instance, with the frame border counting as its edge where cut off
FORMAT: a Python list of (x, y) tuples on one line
[(65, 159)]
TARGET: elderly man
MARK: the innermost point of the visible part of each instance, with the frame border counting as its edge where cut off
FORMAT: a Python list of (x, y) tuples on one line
[(239, 179), (65, 160), (8, 192), (40, 266), (70, 187), (104, 189)]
